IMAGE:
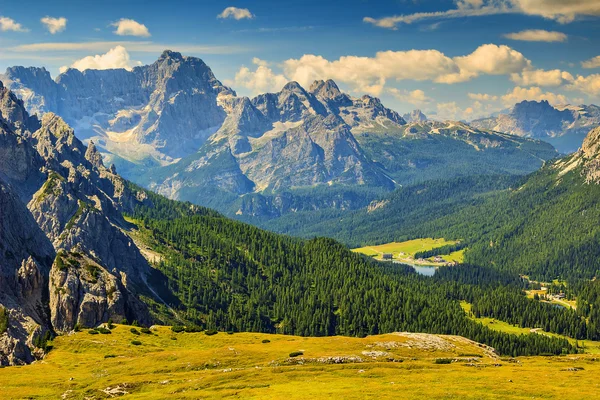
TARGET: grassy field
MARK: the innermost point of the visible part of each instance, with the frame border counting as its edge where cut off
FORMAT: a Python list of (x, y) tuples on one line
[(243, 365), (407, 250), (590, 346)]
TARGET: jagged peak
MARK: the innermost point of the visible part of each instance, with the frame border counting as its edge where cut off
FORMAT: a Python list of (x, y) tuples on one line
[(293, 86), (93, 155), (169, 54), (326, 89)]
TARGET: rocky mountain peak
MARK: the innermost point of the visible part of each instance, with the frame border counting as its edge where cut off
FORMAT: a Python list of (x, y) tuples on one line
[(415, 116), (93, 155), (169, 54), (293, 86), (326, 89)]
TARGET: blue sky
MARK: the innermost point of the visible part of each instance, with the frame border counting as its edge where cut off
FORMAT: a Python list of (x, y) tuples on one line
[(456, 59)]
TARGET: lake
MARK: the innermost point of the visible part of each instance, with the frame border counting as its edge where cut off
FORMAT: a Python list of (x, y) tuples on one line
[(420, 269)]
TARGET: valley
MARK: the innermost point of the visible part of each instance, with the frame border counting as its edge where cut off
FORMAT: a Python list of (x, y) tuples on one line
[(298, 201)]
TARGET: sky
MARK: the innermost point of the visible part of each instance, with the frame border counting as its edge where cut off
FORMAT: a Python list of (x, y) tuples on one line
[(453, 59)]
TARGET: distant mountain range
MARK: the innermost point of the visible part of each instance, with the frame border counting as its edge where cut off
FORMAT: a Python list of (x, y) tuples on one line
[(173, 127), (564, 126)]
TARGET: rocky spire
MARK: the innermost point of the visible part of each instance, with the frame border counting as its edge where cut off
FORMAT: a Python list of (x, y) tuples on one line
[(93, 155)]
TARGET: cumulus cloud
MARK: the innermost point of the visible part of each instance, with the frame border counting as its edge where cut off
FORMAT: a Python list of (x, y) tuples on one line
[(482, 97), (537, 35), (519, 94), (591, 63), (540, 77), (129, 27), (235, 13), (563, 11), (493, 60), (370, 74), (261, 80), (587, 84), (54, 25), (416, 97), (9, 24), (117, 57)]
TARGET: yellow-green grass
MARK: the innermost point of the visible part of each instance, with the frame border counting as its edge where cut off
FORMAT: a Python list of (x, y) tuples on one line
[(409, 248), (590, 346), (197, 366)]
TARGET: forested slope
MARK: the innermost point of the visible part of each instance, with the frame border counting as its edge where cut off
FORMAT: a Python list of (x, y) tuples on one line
[(231, 276)]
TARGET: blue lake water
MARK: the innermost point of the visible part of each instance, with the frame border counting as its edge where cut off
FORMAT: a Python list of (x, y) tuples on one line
[(427, 271), (420, 269)]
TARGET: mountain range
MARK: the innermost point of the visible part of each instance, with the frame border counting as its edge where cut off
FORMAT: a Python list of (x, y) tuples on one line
[(173, 127), (564, 126), (81, 248)]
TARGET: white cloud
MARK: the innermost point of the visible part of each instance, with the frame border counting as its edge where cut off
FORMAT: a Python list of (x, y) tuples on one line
[(587, 84), (416, 97), (537, 35), (9, 24), (129, 27), (371, 74), (540, 77), (488, 59), (519, 94), (235, 13), (563, 11), (482, 97), (261, 80), (591, 63), (117, 57), (54, 25)]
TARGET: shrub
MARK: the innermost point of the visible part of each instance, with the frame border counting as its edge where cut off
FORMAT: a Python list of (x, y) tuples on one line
[(135, 323), (210, 332), (124, 321), (230, 332), (93, 332), (103, 330), (266, 341), (110, 356), (110, 324), (136, 343), (177, 328), (60, 263), (443, 360), (77, 328), (296, 353), (146, 331), (193, 328), (134, 331), (173, 338), (3, 320)]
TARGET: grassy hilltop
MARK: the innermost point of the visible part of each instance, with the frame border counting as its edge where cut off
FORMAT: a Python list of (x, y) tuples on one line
[(252, 365)]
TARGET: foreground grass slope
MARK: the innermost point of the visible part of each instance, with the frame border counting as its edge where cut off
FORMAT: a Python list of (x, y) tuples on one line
[(253, 365)]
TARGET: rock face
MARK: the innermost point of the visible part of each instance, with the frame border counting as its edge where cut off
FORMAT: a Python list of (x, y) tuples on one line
[(589, 156), (56, 195), (415, 116), (564, 126), (277, 141), (160, 111)]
